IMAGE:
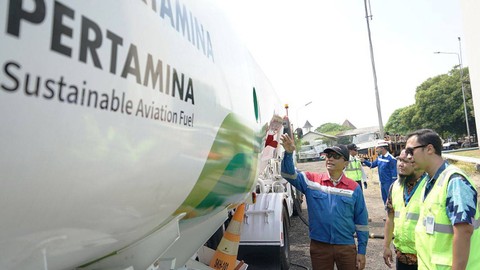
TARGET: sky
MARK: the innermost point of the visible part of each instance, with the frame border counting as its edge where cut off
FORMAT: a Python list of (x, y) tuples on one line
[(318, 51)]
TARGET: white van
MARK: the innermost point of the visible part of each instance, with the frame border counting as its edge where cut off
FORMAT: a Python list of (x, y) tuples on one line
[(311, 152)]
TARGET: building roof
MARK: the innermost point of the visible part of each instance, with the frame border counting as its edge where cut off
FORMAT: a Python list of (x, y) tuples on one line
[(318, 134), (307, 125), (348, 124), (356, 131)]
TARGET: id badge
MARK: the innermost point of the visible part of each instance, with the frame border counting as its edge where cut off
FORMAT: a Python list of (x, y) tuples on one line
[(430, 224)]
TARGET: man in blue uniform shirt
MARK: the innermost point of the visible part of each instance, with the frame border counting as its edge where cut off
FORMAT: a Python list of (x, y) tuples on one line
[(387, 168), (336, 210)]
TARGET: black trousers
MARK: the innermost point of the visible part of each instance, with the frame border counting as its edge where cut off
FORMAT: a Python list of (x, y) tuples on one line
[(402, 266)]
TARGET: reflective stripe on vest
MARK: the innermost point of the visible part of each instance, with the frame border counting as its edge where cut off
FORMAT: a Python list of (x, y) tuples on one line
[(409, 215), (446, 228), (406, 217), (436, 249)]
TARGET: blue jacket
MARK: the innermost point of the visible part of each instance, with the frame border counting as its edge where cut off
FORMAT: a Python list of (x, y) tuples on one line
[(335, 212), (387, 168)]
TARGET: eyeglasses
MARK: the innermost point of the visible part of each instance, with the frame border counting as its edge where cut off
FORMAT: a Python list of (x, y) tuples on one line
[(334, 155), (410, 150)]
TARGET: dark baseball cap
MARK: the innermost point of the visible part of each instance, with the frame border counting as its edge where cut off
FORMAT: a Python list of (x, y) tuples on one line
[(352, 146), (339, 149)]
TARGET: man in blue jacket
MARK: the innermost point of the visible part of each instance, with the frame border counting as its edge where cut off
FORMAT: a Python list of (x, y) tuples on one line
[(387, 168), (336, 210)]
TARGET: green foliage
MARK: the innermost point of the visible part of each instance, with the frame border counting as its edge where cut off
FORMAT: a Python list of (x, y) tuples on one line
[(438, 105), (400, 121), (331, 128), (299, 143)]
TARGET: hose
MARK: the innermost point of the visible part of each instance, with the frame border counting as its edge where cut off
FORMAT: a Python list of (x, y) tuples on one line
[(297, 208), (373, 236), (377, 236)]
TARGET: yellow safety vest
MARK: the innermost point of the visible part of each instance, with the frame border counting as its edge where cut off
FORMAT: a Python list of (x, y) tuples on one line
[(406, 217), (354, 170), (435, 251)]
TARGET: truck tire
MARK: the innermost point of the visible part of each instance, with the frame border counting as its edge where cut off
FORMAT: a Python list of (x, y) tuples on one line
[(280, 256), (284, 252)]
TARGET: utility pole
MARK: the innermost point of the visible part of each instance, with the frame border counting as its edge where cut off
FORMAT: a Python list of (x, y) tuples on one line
[(377, 96), (463, 91)]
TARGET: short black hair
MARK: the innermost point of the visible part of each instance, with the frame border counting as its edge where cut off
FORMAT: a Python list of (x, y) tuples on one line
[(428, 136)]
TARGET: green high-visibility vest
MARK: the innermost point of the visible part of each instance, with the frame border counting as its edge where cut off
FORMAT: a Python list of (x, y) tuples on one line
[(353, 169), (406, 217), (435, 251)]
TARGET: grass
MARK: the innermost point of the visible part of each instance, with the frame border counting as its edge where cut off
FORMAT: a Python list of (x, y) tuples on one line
[(471, 153), (469, 168)]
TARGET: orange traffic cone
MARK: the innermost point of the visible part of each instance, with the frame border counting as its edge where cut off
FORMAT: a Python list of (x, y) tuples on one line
[(225, 257)]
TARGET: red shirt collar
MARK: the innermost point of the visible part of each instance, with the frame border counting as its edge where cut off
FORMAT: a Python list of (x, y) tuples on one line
[(326, 178)]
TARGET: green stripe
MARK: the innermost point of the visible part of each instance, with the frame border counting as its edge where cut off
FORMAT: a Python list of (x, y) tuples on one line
[(229, 171)]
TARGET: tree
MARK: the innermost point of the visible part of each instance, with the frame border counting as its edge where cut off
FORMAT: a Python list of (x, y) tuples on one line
[(333, 129), (400, 121), (438, 105)]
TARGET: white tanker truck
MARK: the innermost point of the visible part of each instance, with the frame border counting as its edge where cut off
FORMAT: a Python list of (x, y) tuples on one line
[(129, 130)]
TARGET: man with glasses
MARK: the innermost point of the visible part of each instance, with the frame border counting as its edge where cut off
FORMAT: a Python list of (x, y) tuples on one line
[(403, 209), (447, 234), (336, 210), (387, 168)]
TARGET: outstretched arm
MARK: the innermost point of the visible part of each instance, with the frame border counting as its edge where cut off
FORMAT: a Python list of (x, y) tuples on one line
[(287, 143), (370, 164), (288, 170)]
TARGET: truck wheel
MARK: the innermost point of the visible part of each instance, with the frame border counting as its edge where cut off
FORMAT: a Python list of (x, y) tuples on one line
[(284, 252)]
